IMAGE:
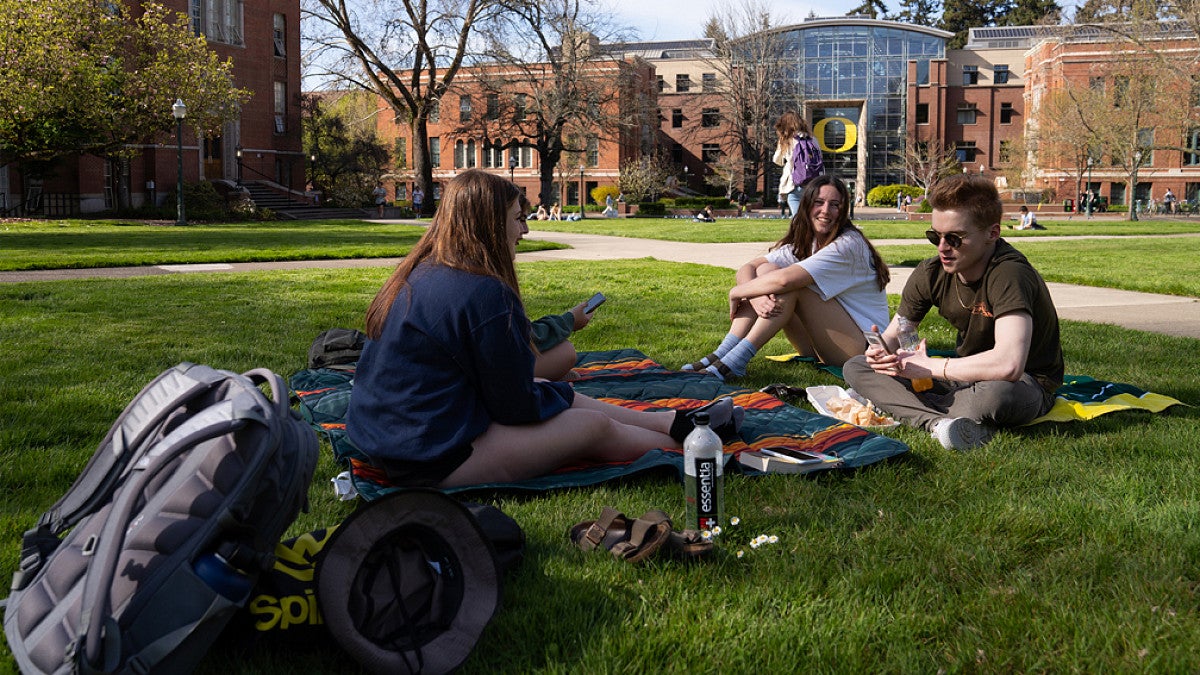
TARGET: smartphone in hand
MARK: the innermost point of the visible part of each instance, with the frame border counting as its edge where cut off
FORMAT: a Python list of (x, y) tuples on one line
[(594, 302), (875, 338)]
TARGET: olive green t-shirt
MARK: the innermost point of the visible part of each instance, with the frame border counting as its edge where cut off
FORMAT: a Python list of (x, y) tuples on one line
[(1009, 284)]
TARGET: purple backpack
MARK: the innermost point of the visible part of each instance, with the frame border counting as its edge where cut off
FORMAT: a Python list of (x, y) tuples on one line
[(807, 162)]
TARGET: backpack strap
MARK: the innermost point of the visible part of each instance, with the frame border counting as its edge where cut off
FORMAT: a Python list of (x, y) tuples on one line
[(104, 470), (95, 641)]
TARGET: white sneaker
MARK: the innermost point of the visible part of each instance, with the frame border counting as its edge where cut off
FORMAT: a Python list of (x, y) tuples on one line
[(960, 433)]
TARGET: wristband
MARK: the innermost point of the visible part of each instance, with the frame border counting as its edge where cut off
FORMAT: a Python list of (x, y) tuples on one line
[(945, 365)]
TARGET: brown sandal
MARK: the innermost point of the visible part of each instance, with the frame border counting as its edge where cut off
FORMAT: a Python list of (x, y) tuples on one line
[(633, 541), (689, 545)]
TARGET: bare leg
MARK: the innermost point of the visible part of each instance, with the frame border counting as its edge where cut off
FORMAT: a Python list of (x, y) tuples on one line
[(555, 363), (586, 431), (826, 327)]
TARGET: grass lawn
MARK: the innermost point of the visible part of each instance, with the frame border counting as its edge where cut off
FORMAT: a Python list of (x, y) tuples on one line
[(1054, 548), (41, 244), (771, 229)]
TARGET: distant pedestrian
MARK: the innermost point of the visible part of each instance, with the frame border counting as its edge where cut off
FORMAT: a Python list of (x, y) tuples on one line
[(418, 198), (380, 195)]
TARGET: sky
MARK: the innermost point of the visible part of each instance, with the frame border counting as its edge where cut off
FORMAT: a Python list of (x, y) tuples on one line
[(684, 19)]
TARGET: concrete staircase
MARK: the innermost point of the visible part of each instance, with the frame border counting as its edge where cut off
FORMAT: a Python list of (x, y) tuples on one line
[(266, 197)]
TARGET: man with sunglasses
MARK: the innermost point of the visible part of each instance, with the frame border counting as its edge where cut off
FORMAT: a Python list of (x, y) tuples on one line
[(1008, 360)]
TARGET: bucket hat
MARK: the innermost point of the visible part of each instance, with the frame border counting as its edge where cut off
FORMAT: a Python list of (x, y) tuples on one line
[(408, 583)]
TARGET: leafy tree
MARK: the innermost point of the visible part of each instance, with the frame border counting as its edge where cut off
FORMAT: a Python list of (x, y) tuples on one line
[(86, 76), (407, 52), (643, 178), (340, 134), (1032, 13), (924, 162), (959, 16), (876, 9)]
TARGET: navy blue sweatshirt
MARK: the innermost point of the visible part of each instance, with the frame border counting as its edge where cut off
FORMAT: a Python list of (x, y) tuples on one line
[(453, 358)]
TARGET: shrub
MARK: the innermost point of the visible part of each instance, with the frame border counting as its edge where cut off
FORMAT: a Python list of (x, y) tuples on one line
[(885, 195), (601, 193), (701, 202), (651, 209)]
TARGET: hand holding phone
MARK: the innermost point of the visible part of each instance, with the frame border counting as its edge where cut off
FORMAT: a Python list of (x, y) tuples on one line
[(875, 338), (594, 302)]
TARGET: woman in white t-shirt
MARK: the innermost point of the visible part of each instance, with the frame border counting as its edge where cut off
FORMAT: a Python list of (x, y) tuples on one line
[(823, 285)]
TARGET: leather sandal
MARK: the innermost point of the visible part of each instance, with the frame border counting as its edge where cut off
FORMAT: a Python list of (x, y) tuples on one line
[(633, 541), (689, 545)]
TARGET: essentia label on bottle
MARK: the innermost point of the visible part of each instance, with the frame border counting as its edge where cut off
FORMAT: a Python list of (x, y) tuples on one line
[(703, 495)]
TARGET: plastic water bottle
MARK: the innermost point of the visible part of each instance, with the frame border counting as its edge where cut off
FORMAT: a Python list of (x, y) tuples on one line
[(703, 477), (909, 341), (222, 577)]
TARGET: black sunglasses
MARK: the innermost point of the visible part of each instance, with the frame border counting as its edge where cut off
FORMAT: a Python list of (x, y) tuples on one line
[(953, 239)]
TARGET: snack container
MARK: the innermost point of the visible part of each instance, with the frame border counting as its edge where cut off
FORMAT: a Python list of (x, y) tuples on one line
[(818, 396)]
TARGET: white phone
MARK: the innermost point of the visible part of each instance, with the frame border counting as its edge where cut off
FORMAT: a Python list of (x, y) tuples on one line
[(874, 337), (594, 302)]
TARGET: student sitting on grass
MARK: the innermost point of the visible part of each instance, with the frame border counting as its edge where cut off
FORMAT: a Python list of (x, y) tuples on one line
[(1009, 361), (823, 285), (445, 393)]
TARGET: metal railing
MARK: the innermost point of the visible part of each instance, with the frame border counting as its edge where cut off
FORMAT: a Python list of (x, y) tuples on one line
[(46, 204)]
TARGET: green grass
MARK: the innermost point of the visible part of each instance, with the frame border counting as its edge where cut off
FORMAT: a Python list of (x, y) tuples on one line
[(1055, 548), (1150, 264), (771, 229), (33, 245)]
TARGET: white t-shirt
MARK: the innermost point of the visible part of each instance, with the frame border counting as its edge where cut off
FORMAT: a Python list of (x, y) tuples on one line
[(842, 270)]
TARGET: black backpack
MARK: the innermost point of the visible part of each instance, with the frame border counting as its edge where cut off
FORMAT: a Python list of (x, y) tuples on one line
[(171, 523), (336, 347)]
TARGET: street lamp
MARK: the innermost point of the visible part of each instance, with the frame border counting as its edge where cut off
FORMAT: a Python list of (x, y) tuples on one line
[(512, 165), (238, 152), (980, 169), (1088, 193), (685, 176), (1137, 162), (582, 199), (179, 110)]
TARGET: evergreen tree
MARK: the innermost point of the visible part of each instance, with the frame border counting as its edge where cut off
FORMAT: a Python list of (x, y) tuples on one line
[(919, 12), (876, 9), (1032, 13), (959, 16)]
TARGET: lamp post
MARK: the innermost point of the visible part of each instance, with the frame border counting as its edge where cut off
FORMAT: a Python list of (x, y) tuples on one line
[(582, 198), (238, 152), (981, 169), (179, 110), (512, 165), (1137, 162), (685, 176), (1088, 191)]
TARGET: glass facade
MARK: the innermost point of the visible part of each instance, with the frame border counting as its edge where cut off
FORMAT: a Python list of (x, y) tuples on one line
[(852, 74)]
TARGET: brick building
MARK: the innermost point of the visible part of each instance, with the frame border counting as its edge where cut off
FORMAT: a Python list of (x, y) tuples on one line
[(263, 40)]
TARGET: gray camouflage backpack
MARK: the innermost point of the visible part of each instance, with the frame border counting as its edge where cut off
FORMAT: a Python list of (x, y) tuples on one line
[(171, 523)]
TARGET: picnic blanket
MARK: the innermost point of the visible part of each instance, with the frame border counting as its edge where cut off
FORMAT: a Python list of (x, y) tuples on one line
[(1080, 397), (628, 378)]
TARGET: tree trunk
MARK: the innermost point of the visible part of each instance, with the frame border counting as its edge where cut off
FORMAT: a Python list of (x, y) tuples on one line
[(422, 164), (122, 166)]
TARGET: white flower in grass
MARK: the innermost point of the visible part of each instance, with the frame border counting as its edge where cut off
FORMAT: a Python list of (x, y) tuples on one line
[(716, 530), (706, 535), (735, 521), (741, 553), (773, 539)]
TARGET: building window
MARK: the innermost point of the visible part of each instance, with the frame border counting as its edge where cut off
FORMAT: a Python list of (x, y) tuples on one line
[(280, 107), (923, 71), (710, 117), (683, 83), (493, 155), (1000, 74), (1120, 90), (710, 153), (662, 84), (493, 106), (1096, 84), (525, 157), (593, 152), (460, 155), (280, 34), (435, 152), (519, 104), (967, 113), (964, 152), (217, 20), (1192, 156), (1145, 140), (401, 190), (677, 154), (435, 111), (401, 153), (970, 75), (922, 113), (464, 108), (708, 82), (676, 118), (1006, 113)]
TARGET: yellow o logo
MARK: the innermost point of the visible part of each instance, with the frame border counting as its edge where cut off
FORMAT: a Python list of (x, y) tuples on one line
[(851, 134)]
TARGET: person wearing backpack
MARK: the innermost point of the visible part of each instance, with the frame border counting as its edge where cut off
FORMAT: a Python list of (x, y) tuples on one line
[(445, 394), (799, 155)]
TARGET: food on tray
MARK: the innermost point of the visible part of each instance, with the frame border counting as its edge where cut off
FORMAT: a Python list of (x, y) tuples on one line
[(855, 412)]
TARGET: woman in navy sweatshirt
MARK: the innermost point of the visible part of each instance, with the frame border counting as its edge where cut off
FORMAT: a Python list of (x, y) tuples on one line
[(445, 394)]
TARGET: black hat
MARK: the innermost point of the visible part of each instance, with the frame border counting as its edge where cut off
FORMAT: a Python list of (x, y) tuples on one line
[(408, 582)]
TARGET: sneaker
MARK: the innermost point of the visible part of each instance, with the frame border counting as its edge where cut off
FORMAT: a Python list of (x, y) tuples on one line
[(960, 433)]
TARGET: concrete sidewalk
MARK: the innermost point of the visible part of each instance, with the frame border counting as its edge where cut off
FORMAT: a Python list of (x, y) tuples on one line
[(1167, 314)]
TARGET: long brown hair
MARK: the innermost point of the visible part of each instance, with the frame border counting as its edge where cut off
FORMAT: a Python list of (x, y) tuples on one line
[(801, 234), (469, 232), (789, 126)]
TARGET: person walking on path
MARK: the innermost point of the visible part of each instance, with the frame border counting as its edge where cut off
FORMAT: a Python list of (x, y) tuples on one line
[(380, 195), (1009, 360)]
